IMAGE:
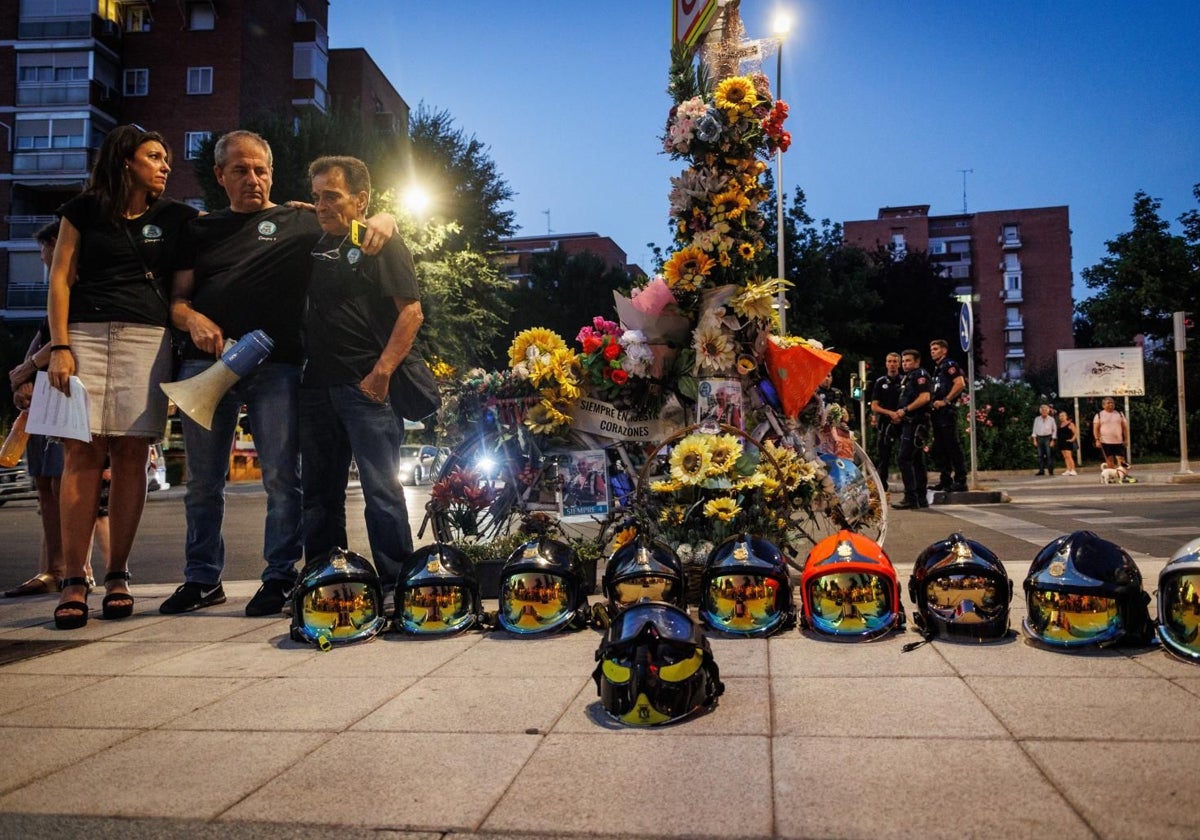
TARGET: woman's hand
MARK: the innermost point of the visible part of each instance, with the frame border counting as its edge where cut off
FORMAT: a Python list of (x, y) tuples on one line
[(62, 368)]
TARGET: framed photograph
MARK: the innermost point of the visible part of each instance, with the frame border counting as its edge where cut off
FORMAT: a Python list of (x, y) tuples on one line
[(720, 400), (585, 492)]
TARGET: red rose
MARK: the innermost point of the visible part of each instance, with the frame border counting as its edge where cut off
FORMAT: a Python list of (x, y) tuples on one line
[(591, 344), (611, 350), (620, 377)]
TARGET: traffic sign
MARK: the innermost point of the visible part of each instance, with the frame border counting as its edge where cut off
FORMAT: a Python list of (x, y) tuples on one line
[(691, 19), (966, 325)]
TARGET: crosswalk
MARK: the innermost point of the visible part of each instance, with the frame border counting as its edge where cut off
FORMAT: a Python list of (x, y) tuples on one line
[(1039, 535)]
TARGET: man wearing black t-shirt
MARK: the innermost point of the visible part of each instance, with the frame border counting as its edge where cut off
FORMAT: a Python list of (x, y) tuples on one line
[(362, 316), (252, 265), (885, 399)]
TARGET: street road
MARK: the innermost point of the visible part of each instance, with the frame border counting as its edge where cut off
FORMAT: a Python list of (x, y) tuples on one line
[(1149, 520)]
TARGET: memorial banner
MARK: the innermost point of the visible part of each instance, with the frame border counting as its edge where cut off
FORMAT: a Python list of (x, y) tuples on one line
[(606, 420)]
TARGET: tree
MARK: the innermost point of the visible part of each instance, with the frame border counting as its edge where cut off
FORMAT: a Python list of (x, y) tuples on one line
[(456, 168), (565, 292), (1147, 274), (466, 313)]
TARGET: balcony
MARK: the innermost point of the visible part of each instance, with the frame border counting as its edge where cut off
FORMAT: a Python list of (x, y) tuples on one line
[(1009, 240), (52, 94), (1014, 353), (65, 162), (24, 294), (24, 227), (1011, 295)]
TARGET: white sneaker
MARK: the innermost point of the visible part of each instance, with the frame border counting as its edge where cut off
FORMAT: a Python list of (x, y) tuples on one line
[(1070, 472)]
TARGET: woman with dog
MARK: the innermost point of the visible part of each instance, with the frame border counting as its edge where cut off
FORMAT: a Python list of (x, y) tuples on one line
[(1111, 432), (1068, 437)]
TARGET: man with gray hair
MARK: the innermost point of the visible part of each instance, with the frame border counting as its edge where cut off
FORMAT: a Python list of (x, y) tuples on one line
[(362, 316), (252, 265)]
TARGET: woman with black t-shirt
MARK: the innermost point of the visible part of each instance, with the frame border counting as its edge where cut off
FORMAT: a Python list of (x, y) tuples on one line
[(109, 283)]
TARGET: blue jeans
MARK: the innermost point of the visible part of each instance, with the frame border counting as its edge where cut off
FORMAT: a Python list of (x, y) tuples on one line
[(271, 395), (336, 422)]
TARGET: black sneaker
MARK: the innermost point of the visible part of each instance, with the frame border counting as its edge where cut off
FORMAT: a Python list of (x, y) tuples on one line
[(270, 598), (906, 504), (959, 488), (192, 596)]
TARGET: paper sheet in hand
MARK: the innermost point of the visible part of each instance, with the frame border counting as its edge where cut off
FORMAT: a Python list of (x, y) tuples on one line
[(53, 413)]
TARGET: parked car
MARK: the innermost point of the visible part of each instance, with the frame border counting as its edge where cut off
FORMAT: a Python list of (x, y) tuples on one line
[(15, 483), (419, 463)]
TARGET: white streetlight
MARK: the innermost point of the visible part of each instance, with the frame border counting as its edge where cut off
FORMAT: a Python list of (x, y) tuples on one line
[(782, 24)]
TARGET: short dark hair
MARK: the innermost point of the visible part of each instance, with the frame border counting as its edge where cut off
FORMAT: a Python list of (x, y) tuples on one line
[(358, 177), (47, 234), (940, 342), (915, 354)]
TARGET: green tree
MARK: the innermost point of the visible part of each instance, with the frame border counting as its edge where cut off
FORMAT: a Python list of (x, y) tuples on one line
[(466, 310), (564, 293), (1147, 274), (456, 168)]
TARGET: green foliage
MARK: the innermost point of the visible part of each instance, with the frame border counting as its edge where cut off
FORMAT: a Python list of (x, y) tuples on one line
[(1004, 413), (1147, 274), (466, 185), (466, 310)]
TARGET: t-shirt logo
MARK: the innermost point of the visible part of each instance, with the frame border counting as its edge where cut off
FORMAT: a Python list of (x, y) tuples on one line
[(353, 256), (267, 228), (151, 232)]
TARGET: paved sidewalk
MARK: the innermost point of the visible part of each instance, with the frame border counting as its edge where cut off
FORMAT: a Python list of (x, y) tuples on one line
[(213, 724)]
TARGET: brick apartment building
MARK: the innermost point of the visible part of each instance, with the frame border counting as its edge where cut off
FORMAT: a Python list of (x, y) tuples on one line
[(518, 250), (1016, 264), (71, 70)]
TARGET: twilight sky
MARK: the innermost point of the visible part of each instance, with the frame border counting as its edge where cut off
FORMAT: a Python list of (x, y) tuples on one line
[(1076, 102)]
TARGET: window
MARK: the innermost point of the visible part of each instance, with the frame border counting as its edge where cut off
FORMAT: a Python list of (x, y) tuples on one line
[(1014, 336), (137, 82), (57, 133), (1012, 282), (1014, 314), (199, 80), (201, 16), (138, 19), (192, 143), (1011, 235), (1012, 262)]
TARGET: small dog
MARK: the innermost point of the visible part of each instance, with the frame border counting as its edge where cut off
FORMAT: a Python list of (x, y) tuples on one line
[(1110, 475)]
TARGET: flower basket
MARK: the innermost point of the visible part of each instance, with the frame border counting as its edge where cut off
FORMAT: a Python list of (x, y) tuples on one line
[(796, 372)]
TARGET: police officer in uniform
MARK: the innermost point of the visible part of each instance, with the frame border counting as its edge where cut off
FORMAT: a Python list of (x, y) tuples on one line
[(916, 391), (948, 385), (885, 399)]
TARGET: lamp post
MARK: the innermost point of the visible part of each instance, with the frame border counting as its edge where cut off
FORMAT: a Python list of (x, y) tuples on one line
[(782, 24)]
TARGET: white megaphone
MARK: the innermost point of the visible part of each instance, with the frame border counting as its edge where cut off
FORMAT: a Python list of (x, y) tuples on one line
[(198, 396)]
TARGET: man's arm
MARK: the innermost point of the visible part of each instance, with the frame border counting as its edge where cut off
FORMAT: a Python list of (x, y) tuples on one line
[(205, 334), (380, 228), (404, 332)]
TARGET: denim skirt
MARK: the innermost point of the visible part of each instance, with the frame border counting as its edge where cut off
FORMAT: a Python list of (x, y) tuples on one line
[(122, 366)]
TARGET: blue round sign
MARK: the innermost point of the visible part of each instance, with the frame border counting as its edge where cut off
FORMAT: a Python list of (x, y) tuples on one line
[(965, 326)]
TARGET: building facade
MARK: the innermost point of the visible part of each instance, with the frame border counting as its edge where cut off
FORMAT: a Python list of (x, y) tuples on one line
[(1015, 265), (517, 251), (71, 70)]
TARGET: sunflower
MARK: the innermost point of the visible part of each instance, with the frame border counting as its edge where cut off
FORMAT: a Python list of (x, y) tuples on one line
[(620, 539), (714, 351), (690, 460), (724, 509), (732, 203), (735, 96), (545, 418), (665, 486), (687, 269), (725, 450), (757, 300), (673, 515), (539, 339)]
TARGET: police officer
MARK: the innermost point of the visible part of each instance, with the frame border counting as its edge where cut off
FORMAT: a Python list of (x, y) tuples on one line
[(948, 385), (885, 399), (916, 391)]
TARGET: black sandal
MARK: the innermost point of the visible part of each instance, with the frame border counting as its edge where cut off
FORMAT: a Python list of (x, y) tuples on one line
[(108, 609), (64, 621)]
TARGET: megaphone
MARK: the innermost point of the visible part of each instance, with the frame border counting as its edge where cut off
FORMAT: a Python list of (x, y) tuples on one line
[(197, 396)]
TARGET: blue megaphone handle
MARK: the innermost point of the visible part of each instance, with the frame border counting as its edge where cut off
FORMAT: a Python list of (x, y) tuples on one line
[(249, 352)]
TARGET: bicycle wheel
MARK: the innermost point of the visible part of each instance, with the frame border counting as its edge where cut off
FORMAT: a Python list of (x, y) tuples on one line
[(480, 489), (857, 504)]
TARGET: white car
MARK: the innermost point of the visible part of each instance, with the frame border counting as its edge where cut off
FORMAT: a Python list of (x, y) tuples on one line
[(419, 463)]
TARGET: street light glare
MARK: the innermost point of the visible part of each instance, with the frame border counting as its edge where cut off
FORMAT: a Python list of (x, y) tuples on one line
[(416, 200), (782, 24)]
